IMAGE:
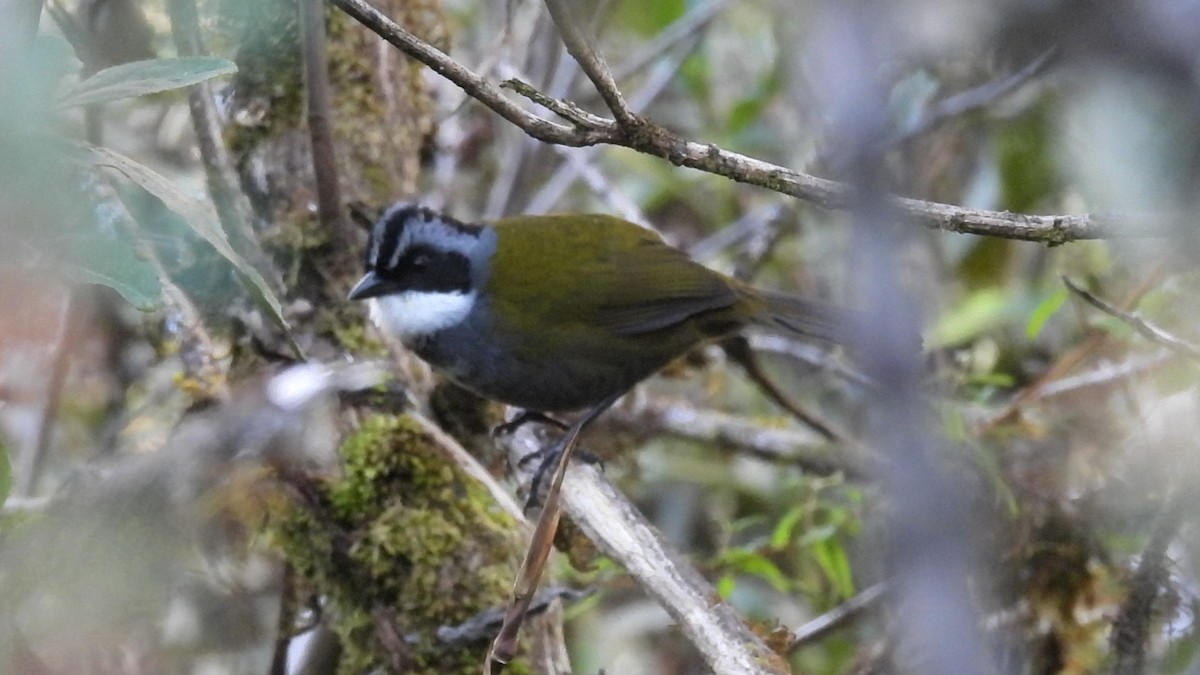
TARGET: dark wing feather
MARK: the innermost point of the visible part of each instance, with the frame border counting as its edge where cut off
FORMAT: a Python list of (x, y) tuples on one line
[(658, 286)]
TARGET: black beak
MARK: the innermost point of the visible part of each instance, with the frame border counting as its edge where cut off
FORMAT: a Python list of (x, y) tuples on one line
[(369, 286)]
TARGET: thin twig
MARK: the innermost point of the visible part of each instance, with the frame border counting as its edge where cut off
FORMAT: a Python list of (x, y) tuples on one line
[(1144, 328), (565, 175), (656, 140), (580, 45), (1067, 362), (1107, 374), (233, 207), (474, 85), (484, 624), (60, 354), (320, 124), (738, 349), (972, 99), (684, 28), (817, 628), (792, 446)]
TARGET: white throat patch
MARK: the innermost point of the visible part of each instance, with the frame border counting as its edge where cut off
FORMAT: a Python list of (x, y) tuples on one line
[(417, 313)]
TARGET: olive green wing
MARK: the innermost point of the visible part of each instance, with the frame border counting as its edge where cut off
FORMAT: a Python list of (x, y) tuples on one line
[(659, 286), (601, 271)]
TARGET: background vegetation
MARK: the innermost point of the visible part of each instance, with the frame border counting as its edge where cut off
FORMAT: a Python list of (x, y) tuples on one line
[(180, 496)]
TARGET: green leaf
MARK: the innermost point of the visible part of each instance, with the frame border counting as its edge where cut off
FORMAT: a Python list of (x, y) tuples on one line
[(725, 586), (647, 18), (1045, 309), (782, 533), (201, 218), (1024, 156), (747, 109), (123, 272), (980, 311), (129, 80), (831, 556), (755, 564)]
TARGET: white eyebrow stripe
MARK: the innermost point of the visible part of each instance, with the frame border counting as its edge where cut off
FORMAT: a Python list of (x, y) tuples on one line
[(401, 245)]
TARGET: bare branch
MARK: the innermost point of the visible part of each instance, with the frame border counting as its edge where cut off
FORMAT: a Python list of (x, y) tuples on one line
[(685, 27), (474, 85), (320, 122), (737, 348), (564, 109), (653, 139), (794, 446), (233, 207), (1106, 375), (607, 518), (579, 44), (837, 617), (1144, 328), (565, 175), (972, 99)]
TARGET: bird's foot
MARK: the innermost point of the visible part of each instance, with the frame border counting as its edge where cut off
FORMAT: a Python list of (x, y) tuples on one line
[(547, 458), (525, 417)]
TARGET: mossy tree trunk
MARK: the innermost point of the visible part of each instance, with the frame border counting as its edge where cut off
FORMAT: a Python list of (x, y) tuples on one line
[(403, 543)]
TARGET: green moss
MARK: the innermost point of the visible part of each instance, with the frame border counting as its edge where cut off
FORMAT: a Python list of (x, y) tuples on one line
[(403, 531), (353, 336)]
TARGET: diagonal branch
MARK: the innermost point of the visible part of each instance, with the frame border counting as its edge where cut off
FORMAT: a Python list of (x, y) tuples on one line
[(1144, 328), (817, 628), (474, 85), (650, 138), (973, 99), (580, 46), (725, 642)]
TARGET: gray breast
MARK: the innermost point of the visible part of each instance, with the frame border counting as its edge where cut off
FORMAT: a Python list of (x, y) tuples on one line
[(475, 357)]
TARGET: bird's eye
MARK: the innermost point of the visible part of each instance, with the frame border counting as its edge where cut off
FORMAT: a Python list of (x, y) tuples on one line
[(420, 262)]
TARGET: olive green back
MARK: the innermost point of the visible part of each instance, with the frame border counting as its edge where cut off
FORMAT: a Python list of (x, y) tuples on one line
[(602, 273)]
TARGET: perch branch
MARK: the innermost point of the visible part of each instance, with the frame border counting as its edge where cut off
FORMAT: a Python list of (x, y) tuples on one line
[(607, 518), (650, 138)]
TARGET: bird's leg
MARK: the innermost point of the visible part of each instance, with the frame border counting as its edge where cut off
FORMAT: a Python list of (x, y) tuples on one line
[(547, 456), (504, 647)]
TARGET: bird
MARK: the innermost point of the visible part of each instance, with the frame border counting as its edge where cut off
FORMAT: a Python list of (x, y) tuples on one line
[(555, 313)]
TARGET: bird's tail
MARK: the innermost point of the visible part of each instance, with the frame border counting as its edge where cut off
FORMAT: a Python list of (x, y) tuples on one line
[(812, 318)]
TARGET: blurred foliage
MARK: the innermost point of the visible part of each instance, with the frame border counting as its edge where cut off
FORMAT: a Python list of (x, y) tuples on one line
[(1065, 425), (5, 473)]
